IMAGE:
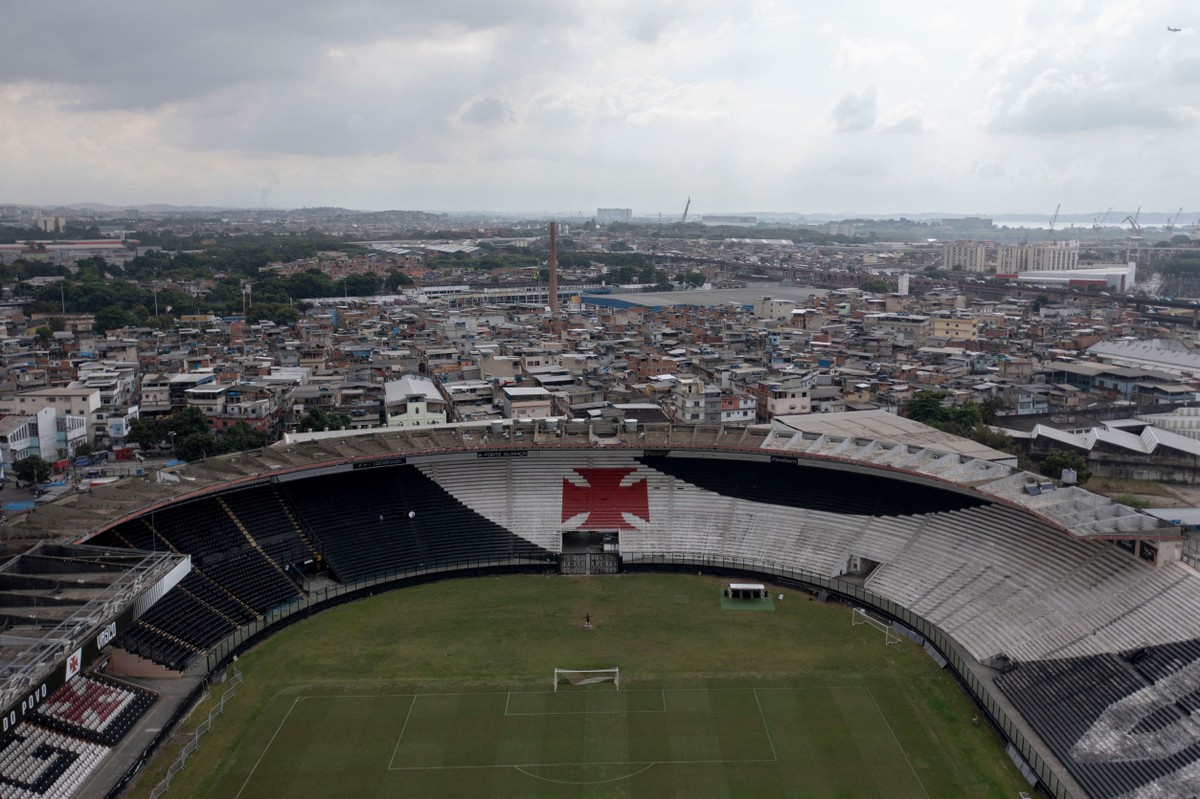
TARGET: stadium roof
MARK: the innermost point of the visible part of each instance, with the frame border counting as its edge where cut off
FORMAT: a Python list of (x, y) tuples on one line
[(55, 596), (885, 426), (1073, 511)]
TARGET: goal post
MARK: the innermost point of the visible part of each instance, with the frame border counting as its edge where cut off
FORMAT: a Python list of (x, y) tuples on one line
[(587, 677), (860, 616)]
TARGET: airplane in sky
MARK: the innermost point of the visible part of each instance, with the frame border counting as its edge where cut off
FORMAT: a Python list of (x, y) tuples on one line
[(1174, 30)]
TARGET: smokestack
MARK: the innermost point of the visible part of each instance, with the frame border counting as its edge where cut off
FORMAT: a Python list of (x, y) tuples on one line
[(553, 271)]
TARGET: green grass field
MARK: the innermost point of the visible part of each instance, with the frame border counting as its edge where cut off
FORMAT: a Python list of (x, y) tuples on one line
[(445, 690)]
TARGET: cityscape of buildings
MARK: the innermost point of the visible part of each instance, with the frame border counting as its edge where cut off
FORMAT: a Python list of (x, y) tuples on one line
[(1063, 339)]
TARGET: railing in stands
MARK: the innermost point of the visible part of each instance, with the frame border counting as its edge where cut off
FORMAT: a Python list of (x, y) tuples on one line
[(946, 645), (194, 742)]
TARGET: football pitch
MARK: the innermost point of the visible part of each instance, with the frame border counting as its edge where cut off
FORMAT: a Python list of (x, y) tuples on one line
[(446, 690), (701, 741)]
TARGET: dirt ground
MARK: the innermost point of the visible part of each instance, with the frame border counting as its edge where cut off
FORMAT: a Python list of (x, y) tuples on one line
[(1183, 496)]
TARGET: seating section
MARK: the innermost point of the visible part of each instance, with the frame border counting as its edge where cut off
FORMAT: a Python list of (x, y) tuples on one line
[(999, 581), (683, 518), (511, 493), (202, 528), (135, 534), (145, 641), (36, 762), (253, 578), (372, 522), (1123, 725), (272, 523), (813, 488), (94, 708), (235, 576)]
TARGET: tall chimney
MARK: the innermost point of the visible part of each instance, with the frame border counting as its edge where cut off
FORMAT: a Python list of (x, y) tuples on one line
[(553, 271)]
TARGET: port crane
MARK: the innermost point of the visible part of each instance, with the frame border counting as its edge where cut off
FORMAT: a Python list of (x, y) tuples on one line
[(1169, 228), (1135, 230), (1100, 224)]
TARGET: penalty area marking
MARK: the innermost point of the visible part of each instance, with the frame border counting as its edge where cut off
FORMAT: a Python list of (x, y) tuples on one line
[(646, 764), (767, 729), (903, 752), (404, 727), (268, 746), (630, 776)]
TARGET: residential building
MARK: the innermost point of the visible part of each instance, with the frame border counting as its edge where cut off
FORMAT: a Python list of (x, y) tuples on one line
[(970, 256), (413, 401), (526, 403)]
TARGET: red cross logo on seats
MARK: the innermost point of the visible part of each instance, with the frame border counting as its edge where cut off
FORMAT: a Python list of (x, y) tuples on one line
[(97, 704), (605, 500)]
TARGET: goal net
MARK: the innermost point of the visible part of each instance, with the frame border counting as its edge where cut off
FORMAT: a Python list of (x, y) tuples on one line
[(860, 616), (587, 676)]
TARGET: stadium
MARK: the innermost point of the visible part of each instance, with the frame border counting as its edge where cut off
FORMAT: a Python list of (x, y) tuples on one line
[(1066, 618)]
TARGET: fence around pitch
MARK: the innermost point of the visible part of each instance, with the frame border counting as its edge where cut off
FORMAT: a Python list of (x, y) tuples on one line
[(945, 644), (956, 659), (194, 742)]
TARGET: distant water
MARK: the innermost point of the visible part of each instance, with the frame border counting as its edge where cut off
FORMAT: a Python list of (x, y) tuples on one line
[(1038, 224)]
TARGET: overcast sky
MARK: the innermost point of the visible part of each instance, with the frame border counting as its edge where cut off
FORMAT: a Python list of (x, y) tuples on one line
[(565, 106)]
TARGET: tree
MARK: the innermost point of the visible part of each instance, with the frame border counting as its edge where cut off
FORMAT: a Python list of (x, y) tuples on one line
[(44, 333), (397, 279), (281, 314), (990, 408), (363, 285), (1059, 459), (32, 469), (926, 407), (195, 446), (993, 438), (317, 420), (112, 318), (240, 437), (875, 286), (157, 432)]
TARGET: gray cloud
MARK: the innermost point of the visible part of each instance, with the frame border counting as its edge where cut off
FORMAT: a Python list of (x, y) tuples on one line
[(1056, 101), (855, 111), (533, 103), (487, 112), (136, 56)]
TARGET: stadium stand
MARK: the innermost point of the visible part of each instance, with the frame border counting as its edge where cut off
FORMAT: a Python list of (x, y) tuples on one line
[(266, 517), (998, 583), (36, 762), (362, 525), (1123, 724), (1002, 562), (233, 580), (94, 708), (813, 488)]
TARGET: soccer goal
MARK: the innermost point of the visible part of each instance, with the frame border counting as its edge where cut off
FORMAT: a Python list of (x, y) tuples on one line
[(587, 676), (860, 616)]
